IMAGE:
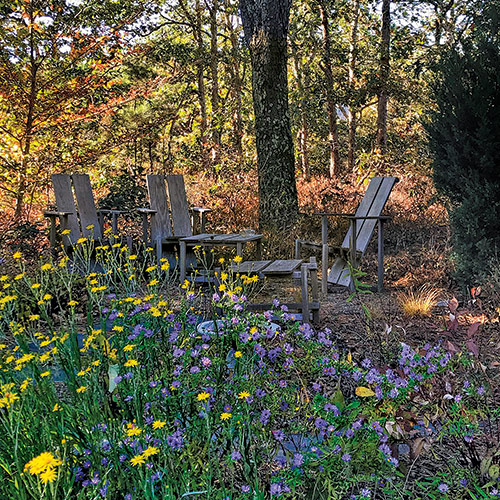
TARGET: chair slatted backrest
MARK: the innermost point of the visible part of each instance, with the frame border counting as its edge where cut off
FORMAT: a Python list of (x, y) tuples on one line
[(65, 203), (86, 206), (371, 205), (160, 222), (179, 206)]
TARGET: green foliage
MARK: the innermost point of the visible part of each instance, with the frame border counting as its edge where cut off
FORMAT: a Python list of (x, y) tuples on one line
[(464, 134)]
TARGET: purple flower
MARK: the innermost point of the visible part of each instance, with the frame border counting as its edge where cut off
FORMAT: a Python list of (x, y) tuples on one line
[(194, 369), (365, 492), (206, 362), (443, 487), (264, 417), (104, 490), (346, 457), (245, 488), (275, 489), (279, 435), (236, 455), (298, 460), (480, 390)]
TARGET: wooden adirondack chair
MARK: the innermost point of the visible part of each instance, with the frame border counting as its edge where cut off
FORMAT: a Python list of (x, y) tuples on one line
[(81, 218), (361, 227), (167, 222)]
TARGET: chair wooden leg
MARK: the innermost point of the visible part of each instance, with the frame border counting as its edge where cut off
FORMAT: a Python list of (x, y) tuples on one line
[(313, 269), (182, 261), (304, 271), (298, 245), (380, 277), (324, 270)]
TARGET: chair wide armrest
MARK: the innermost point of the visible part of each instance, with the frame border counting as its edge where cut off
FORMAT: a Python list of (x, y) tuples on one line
[(56, 213), (145, 211)]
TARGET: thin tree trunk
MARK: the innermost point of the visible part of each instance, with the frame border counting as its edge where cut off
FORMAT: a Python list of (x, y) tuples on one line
[(384, 77), (265, 23), (28, 132), (214, 73), (303, 133), (236, 83), (202, 94), (333, 135), (353, 47)]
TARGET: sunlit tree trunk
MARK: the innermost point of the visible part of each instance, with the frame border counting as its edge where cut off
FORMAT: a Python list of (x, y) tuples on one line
[(384, 77), (214, 73), (303, 132), (353, 47), (333, 136), (265, 24)]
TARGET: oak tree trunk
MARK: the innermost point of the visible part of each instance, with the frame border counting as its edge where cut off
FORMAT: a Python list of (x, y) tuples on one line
[(265, 24)]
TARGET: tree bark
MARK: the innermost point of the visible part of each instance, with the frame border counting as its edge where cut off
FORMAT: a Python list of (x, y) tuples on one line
[(265, 24), (214, 74), (384, 77), (236, 88), (303, 132), (333, 135), (353, 47)]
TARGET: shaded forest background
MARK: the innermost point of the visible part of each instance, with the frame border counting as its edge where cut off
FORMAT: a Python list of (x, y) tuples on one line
[(119, 89)]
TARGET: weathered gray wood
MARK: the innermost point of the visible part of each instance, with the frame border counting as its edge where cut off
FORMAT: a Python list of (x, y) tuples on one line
[(339, 273), (86, 206), (250, 266), (160, 220), (313, 270), (304, 285), (66, 203), (380, 274), (371, 205), (282, 267), (179, 205)]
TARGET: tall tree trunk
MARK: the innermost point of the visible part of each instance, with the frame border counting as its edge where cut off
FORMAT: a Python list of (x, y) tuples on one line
[(384, 77), (214, 73), (353, 47), (333, 135), (202, 94), (28, 131), (303, 132), (236, 87), (265, 24)]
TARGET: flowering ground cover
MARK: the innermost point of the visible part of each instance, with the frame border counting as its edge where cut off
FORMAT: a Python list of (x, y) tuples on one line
[(109, 390)]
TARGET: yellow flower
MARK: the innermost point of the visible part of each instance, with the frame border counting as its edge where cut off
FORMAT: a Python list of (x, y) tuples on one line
[(19, 276), (150, 269), (225, 416), (118, 328), (131, 362), (81, 389), (129, 347), (243, 395), (149, 451), (132, 257), (165, 266), (238, 354), (56, 408), (159, 424), (223, 276), (17, 255), (137, 460), (45, 374), (81, 240), (34, 317), (133, 431), (96, 363), (90, 226), (41, 463), (46, 267), (72, 303), (153, 282), (48, 475), (66, 232), (238, 259), (222, 287), (47, 296), (203, 395), (222, 260), (36, 285), (81, 373)]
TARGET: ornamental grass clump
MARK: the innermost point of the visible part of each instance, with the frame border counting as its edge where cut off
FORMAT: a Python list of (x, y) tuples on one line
[(115, 391), (418, 303)]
